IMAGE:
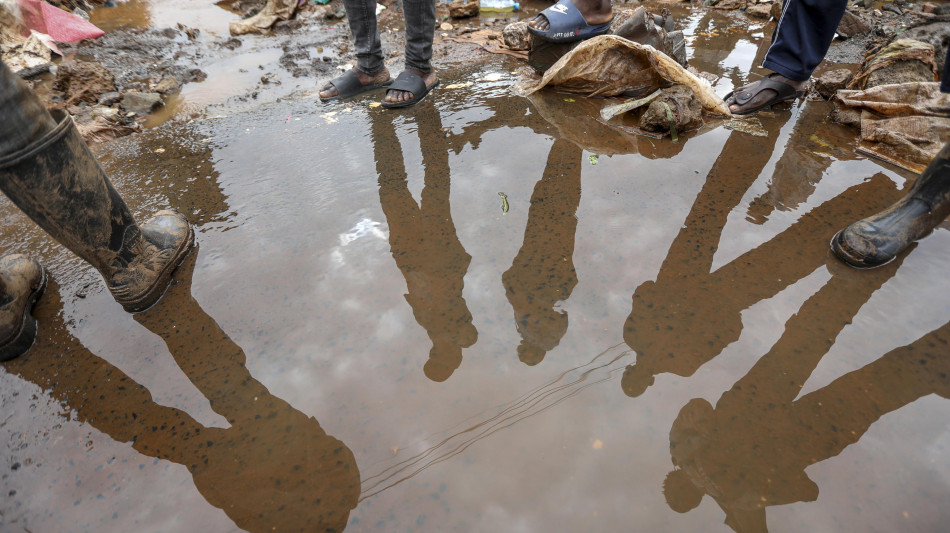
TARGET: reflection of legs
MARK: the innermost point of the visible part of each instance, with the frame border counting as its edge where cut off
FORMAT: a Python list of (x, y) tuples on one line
[(879, 238), (48, 171), (542, 273)]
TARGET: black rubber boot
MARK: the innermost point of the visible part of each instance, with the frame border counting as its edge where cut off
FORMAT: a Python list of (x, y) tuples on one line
[(22, 281), (877, 239)]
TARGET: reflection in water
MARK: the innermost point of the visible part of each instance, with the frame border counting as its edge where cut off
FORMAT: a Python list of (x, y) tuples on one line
[(273, 469), (751, 451), (423, 240), (542, 274), (690, 313)]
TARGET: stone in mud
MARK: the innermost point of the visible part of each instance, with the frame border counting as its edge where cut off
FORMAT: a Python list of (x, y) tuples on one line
[(900, 72), (852, 24), (760, 11), (83, 81), (167, 85), (460, 9), (685, 107), (829, 83), (141, 103), (516, 36), (111, 98)]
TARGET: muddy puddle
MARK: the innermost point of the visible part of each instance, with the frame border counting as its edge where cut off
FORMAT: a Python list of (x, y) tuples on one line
[(490, 313)]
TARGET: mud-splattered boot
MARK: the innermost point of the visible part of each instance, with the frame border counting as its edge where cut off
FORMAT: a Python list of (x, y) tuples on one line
[(22, 281), (879, 238), (57, 182)]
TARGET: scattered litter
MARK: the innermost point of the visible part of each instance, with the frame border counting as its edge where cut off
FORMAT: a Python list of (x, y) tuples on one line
[(379, 9), (375, 104), (159, 150), (593, 159), (610, 112), (273, 11), (459, 85), (597, 444), (288, 119), (494, 76), (751, 125), (62, 26), (446, 26), (329, 117), (504, 202)]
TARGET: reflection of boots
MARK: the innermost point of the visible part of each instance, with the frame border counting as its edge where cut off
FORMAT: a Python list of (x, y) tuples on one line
[(57, 182), (22, 281), (878, 238)]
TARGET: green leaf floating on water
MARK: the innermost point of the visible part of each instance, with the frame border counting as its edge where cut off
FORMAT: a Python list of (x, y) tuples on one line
[(592, 159), (504, 202), (570, 100)]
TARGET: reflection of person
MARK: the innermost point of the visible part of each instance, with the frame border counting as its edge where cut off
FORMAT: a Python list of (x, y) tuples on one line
[(48, 172), (879, 238), (752, 449), (542, 273), (273, 469), (800, 41), (370, 72), (691, 313), (424, 242)]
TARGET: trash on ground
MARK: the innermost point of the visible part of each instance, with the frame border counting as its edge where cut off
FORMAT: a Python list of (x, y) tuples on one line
[(750, 125), (62, 26), (609, 66), (273, 11), (494, 76), (610, 112), (903, 60), (459, 85), (461, 9), (905, 124)]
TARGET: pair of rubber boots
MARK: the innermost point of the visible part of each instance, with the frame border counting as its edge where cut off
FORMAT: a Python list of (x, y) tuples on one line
[(57, 182), (879, 238)]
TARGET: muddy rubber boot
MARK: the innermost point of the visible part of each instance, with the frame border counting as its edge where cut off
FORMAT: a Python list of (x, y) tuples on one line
[(877, 239), (22, 281), (57, 182)]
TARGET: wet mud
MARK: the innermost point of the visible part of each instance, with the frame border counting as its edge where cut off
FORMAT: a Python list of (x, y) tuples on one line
[(645, 334)]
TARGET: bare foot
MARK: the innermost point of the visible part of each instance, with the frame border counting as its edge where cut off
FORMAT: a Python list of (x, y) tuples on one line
[(393, 96), (329, 91), (594, 11), (763, 96)]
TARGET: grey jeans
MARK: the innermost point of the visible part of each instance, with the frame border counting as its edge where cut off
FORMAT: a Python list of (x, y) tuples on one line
[(23, 118), (420, 30)]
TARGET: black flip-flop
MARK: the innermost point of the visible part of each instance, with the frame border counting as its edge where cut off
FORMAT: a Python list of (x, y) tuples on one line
[(745, 94), (566, 24), (348, 85), (412, 83)]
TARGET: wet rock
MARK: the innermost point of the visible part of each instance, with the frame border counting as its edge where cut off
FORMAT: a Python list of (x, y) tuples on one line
[(852, 24), (684, 106), (83, 81), (167, 85), (231, 44), (517, 36), (141, 103), (829, 83), (760, 11), (776, 10), (901, 61), (729, 4), (169, 33), (460, 9), (900, 72), (110, 98)]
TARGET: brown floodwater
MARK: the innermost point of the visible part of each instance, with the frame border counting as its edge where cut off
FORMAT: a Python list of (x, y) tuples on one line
[(491, 313)]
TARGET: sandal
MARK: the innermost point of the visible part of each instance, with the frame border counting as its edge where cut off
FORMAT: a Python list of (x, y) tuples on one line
[(566, 24), (411, 83), (349, 85), (745, 94)]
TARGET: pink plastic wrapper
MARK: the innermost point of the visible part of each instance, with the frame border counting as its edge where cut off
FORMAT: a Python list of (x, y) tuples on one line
[(62, 26)]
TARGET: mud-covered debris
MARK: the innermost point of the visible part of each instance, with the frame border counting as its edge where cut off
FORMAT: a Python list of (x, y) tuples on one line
[(610, 112), (831, 82), (904, 60), (26, 55), (677, 101), (853, 24), (273, 11), (460, 9), (937, 34), (231, 44), (167, 85), (748, 125), (110, 98), (516, 36), (83, 81), (141, 103)]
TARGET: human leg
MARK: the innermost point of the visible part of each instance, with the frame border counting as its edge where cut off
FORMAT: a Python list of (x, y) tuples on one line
[(370, 69), (420, 30), (801, 39), (54, 178)]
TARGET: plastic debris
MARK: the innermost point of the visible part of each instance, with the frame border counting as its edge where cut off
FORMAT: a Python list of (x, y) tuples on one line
[(459, 85), (610, 112)]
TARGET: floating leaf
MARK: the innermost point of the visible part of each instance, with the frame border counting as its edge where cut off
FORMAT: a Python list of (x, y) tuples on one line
[(159, 150), (504, 202), (592, 159), (570, 100)]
